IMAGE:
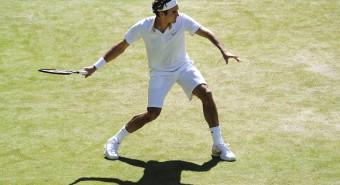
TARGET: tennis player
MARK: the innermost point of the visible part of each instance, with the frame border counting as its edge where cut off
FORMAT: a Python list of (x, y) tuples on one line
[(169, 63)]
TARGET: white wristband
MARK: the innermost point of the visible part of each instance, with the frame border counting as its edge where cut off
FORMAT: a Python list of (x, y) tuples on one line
[(100, 63)]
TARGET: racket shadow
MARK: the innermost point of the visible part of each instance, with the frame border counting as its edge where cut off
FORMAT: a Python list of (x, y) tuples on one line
[(155, 172)]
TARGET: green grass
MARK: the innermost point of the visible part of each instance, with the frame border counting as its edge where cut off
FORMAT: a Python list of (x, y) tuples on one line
[(279, 109)]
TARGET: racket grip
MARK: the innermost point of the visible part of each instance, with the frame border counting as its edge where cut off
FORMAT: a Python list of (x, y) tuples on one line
[(83, 72)]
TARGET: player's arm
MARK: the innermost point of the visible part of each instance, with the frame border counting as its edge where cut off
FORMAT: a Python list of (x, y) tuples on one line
[(113, 53), (200, 168), (206, 33)]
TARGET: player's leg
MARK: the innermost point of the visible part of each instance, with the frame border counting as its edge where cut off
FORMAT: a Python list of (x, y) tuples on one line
[(209, 107), (159, 85), (193, 83), (211, 116), (112, 145), (140, 120)]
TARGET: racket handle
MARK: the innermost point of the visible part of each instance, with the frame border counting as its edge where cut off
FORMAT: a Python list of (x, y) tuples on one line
[(83, 72)]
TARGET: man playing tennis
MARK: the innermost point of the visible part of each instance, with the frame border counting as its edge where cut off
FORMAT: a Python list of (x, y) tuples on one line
[(164, 38)]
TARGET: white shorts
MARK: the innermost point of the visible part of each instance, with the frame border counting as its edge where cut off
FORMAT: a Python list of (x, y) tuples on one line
[(160, 83)]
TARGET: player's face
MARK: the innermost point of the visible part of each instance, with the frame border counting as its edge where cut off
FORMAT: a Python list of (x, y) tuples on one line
[(172, 14)]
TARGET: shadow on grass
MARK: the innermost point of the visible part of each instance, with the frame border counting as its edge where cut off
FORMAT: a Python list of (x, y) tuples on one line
[(167, 172)]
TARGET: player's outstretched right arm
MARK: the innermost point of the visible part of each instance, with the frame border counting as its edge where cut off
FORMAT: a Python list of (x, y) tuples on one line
[(113, 53)]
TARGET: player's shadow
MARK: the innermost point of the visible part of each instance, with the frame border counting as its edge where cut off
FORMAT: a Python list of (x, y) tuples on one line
[(164, 173)]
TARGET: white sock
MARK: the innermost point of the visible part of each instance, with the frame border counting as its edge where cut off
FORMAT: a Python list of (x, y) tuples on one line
[(121, 134), (216, 135)]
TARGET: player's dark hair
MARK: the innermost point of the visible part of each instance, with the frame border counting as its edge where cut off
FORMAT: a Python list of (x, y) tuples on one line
[(159, 5)]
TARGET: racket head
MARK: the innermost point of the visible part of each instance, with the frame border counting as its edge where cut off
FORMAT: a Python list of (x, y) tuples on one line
[(56, 71)]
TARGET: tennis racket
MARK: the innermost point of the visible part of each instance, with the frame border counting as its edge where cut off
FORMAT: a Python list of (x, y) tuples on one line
[(63, 72)]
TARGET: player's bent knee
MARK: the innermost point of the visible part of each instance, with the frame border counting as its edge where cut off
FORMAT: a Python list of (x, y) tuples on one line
[(208, 97), (202, 91), (153, 113), (205, 94)]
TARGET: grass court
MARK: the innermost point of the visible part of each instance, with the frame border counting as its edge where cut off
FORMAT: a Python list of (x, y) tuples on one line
[(279, 109)]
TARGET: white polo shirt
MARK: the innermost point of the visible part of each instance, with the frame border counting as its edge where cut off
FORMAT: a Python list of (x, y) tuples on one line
[(166, 51)]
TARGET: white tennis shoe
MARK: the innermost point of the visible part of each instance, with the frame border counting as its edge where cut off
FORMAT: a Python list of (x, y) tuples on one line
[(111, 149), (223, 151)]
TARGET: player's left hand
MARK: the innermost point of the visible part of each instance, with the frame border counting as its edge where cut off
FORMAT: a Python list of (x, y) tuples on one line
[(227, 56)]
